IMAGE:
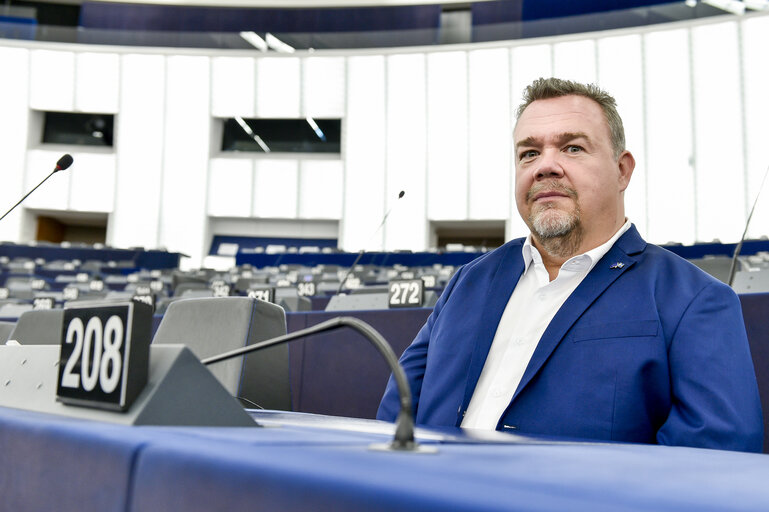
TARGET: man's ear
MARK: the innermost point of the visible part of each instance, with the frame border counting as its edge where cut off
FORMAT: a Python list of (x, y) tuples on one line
[(625, 164)]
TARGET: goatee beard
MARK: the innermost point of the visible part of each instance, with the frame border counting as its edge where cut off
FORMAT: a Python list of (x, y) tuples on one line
[(559, 233)]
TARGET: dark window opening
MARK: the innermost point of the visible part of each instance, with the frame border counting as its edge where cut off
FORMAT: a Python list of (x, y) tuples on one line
[(79, 228), (78, 129), (475, 234), (282, 135)]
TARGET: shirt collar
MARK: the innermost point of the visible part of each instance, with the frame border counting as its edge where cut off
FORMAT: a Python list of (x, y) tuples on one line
[(579, 262)]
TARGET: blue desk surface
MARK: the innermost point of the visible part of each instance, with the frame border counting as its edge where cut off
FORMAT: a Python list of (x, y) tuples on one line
[(51, 463)]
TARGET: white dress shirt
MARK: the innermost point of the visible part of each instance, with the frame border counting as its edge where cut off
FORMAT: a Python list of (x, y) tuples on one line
[(531, 307)]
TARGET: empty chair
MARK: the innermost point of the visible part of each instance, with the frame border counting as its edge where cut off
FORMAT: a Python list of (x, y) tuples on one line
[(211, 326), (716, 266), (754, 281), (5, 330), (358, 302), (191, 286), (14, 310), (39, 327)]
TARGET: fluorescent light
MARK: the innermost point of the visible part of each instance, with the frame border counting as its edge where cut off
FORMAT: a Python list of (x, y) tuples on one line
[(251, 134), (756, 5), (691, 3), (278, 45), (731, 6), (254, 40), (316, 129)]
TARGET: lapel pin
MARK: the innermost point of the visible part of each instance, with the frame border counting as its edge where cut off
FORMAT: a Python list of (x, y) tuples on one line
[(619, 264)]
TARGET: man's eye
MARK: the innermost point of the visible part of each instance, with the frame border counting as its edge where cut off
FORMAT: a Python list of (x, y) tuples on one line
[(528, 154), (573, 149)]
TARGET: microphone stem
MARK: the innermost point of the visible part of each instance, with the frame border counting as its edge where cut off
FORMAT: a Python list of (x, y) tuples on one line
[(28, 193), (349, 271), (404, 431), (733, 267)]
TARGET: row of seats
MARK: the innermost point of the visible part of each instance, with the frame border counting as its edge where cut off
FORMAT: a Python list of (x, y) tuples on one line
[(208, 327), (751, 276), (295, 287)]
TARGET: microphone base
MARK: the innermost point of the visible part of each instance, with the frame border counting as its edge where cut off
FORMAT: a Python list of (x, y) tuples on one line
[(411, 447)]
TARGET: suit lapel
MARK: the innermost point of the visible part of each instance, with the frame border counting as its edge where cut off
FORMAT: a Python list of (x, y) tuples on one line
[(497, 295), (614, 263)]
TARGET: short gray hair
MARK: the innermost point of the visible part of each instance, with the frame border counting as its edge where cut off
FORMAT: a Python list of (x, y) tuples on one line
[(546, 88)]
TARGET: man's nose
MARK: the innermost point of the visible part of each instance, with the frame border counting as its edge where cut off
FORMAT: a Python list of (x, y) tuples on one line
[(549, 166)]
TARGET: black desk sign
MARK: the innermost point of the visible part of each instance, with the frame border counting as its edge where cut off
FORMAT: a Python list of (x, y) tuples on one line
[(104, 358), (265, 294), (146, 298), (70, 293), (429, 280), (43, 303), (142, 289), (408, 293), (307, 289), (220, 289)]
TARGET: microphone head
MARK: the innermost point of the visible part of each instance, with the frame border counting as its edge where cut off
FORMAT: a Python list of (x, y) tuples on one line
[(403, 193), (64, 162)]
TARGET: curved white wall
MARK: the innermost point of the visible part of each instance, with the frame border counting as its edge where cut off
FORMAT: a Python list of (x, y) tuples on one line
[(435, 122)]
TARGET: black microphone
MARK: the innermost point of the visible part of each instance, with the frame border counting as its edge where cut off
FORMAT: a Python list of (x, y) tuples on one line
[(404, 425), (63, 163), (360, 254), (733, 267)]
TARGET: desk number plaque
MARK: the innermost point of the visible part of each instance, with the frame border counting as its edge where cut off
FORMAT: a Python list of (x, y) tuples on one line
[(104, 359), (406, 293)]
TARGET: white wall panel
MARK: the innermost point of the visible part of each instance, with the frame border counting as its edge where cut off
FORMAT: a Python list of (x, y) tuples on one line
[(140, 136), (93, 182), (528, 63), (323, 87), (320, 189), (186, 153), (719, 162), (620, 72), (97, 82), (490, 134), (54, 195), (364, 154), (232, 86), (575, 60), (275, 188), (406, 152), (52, 80), (14, 98), (447, 137), (669, 137), (278, 84), (755, 33), (230, 185)]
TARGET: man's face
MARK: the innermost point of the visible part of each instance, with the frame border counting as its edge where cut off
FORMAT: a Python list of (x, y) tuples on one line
[(566, 176)]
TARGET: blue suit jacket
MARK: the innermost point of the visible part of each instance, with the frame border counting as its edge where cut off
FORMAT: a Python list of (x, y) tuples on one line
[(647, 349)]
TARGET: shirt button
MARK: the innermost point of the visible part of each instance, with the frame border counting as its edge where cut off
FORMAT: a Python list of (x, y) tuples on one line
[(496, 392)]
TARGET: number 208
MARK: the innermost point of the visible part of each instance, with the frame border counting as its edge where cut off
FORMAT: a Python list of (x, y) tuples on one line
[(97, 346)]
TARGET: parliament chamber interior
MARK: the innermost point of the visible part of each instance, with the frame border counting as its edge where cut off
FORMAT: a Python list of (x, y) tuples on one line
[(247, 182)]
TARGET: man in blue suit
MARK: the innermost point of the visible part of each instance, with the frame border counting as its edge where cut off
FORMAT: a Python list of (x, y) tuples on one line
[(582, 329)]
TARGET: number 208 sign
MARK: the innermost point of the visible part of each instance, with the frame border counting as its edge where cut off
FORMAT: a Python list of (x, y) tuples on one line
[(104, 355)]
